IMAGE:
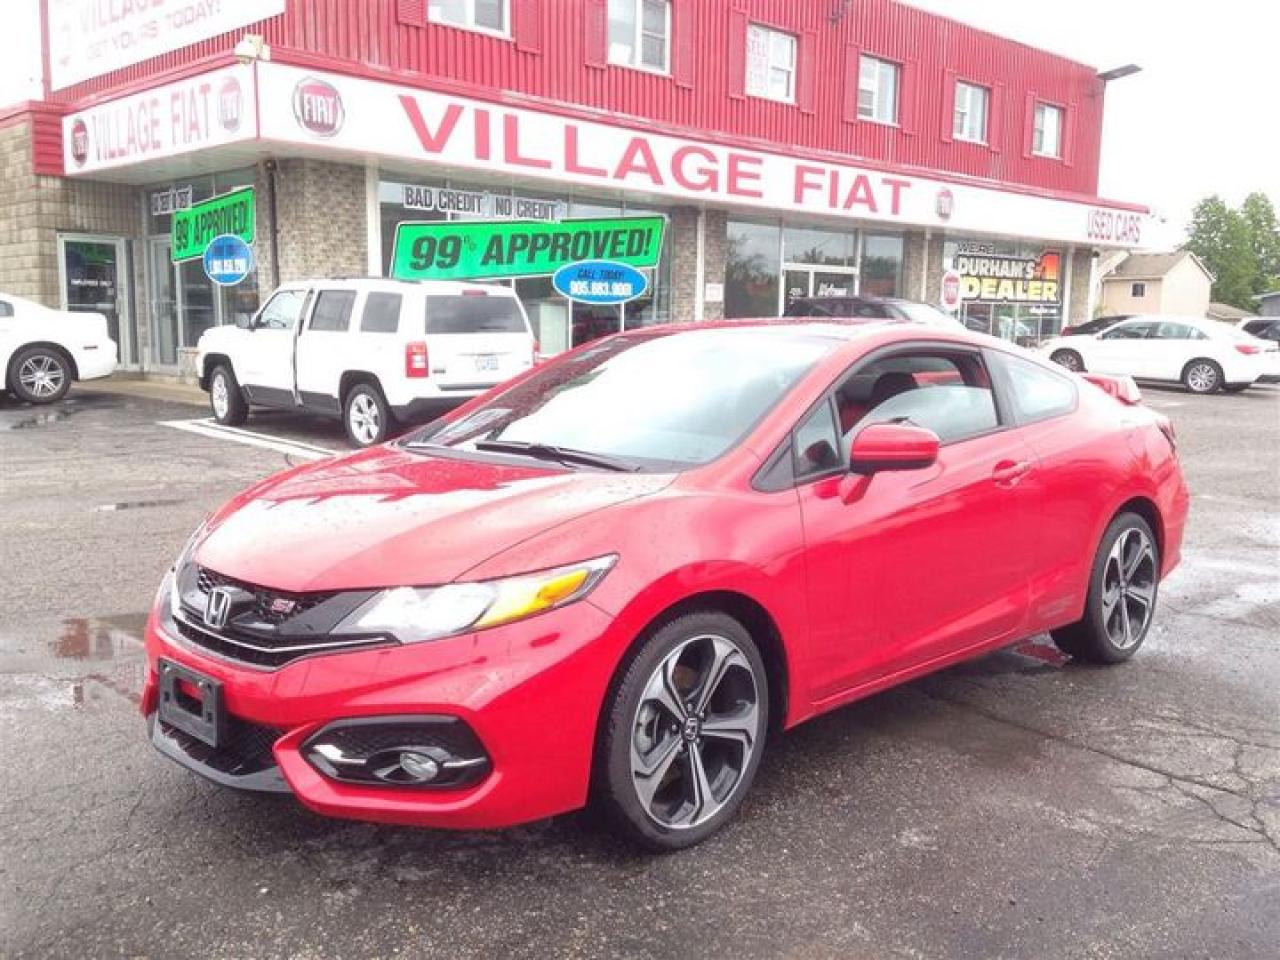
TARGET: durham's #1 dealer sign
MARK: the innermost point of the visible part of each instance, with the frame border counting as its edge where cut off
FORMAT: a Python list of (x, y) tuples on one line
[(88, 38)]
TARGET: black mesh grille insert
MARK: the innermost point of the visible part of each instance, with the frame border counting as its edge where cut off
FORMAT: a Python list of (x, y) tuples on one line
[(246, 747)]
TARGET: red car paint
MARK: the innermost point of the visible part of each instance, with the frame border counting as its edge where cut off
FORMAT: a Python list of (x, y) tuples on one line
[(867, 581)]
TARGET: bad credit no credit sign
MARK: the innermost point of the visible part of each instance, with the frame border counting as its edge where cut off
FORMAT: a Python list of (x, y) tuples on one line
[(481, 250)]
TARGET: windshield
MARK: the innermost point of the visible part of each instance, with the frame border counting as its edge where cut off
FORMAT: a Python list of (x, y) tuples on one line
[(923, 313), (474, 313), (664, 401)]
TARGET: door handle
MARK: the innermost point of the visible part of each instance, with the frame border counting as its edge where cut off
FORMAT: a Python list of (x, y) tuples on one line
[(1009, 472)]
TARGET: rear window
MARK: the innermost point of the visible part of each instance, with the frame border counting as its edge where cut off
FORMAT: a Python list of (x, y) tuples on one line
[(474, 314), (381, 313)]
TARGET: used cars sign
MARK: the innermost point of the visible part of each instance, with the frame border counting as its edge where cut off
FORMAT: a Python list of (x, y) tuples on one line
[(479, 250)]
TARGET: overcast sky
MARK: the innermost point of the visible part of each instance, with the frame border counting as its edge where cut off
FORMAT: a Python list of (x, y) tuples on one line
[(1203, 117)]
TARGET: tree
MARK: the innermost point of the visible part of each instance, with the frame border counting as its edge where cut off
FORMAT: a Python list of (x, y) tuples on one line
[(1264, 231), (1223, 240)]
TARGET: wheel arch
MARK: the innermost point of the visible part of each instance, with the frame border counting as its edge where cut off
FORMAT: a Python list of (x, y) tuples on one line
[(352, 378), (59, 349), (1203, 359), (1149, 511), (748, 611), (211, 361)]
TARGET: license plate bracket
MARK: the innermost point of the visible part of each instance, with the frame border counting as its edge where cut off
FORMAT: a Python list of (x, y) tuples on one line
[(486, 362), (191, 702)]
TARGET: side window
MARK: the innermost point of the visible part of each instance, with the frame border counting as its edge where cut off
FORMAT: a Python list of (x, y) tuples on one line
[(6, 309), (1130, 331), (332, 313), (948, 394), (1036, 393), (381, 313), (1175, 331), (282, 310), (816, 444)]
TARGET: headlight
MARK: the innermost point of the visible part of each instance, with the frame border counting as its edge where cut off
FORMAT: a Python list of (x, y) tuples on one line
[(173, 577), (413, 614)]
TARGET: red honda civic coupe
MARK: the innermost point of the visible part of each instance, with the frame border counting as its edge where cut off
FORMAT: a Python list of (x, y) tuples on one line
[(609, 579)]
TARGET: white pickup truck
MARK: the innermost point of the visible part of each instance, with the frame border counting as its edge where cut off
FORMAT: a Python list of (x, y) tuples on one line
[(370, 351), (43, 350)]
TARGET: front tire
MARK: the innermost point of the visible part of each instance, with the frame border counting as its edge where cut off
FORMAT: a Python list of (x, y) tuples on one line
[(40, 375), (1123, 586), (1202, 376), (1069, 359), (683, 732), (226, 400), (365, 415)]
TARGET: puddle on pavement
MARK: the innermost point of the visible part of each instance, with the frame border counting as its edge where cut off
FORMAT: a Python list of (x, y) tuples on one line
[(137, 504), (110, 638)]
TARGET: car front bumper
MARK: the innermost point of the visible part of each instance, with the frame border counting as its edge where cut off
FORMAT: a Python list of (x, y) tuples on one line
[(530, 692)]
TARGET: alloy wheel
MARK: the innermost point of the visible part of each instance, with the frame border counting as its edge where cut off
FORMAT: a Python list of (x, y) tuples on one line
[(1069, 359), (220, 396), (1129, 588), (695, 732), (1202, 377), (364, 419), (42, 376)]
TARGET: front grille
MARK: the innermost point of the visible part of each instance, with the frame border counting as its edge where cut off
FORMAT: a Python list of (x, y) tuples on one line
[(245, 748), (264, 629), (271, 606)]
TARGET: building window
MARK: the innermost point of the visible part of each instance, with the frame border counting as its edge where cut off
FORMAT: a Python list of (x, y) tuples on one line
[(972, 104), (771, 64), (751, 269), (1047, 139), (488, 16), (881, 269), (1138, 291), (878, 90), (640, 34)]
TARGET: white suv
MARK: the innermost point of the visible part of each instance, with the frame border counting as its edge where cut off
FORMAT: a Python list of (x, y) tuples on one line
[(371, 351)]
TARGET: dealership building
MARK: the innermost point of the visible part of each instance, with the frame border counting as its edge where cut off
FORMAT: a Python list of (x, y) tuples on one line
[(742, 154)]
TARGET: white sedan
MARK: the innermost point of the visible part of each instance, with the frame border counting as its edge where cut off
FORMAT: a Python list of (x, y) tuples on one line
[(1203, 355), (43, 350)]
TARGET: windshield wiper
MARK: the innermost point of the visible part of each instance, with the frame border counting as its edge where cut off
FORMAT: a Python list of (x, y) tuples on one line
[(565, 455)]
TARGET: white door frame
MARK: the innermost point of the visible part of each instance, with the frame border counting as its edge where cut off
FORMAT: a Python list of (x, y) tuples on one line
[(127, 347)]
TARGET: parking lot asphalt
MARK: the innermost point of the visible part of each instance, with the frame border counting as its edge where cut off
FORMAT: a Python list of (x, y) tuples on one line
[(1016, 806)]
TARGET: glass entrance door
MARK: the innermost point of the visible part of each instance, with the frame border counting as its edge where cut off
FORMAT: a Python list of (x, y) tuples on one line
[(94, 277), (164, 304)]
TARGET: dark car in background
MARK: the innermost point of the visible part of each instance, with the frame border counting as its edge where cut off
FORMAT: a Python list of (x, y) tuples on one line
[(869, 308), (1094, 326)]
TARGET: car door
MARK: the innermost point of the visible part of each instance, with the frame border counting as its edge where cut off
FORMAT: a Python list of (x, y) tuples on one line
[(905, 568), (324, 348), (475, 340), (1121, 350), (1172, 345), (266, 367)]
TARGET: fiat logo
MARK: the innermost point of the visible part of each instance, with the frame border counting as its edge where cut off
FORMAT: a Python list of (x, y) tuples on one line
[(946, 204), (317, 106), (229, 105), (79, 143)]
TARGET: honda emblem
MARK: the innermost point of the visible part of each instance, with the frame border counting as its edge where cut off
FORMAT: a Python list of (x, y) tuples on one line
[(216, 608)]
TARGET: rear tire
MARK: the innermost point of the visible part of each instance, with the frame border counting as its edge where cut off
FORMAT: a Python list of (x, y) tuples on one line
[(683, 732), (366, 416), (226, 400), (1202, 376), (40, 375), (1069, 359), (1123, 586)]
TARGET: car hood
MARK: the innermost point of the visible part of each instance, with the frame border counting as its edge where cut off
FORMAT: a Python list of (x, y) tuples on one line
[(391, 517)]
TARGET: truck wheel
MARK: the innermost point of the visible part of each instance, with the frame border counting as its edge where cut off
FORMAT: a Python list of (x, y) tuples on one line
[(40, 375), (225, 399), (365, 415)]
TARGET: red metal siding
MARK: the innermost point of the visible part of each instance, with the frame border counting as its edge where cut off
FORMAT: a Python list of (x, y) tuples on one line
[(558, 50)]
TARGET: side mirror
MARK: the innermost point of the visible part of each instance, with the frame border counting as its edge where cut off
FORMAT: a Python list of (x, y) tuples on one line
[(244, 321), (892, 446)]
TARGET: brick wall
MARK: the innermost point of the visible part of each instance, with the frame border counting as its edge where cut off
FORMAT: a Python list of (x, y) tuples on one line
[(322, 230), (715, 254)]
